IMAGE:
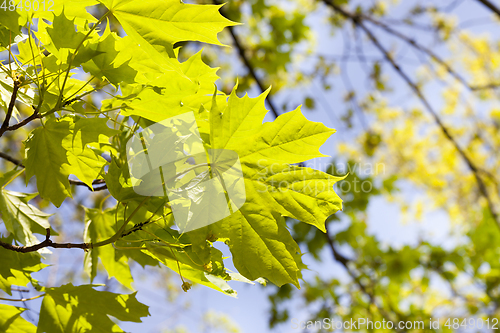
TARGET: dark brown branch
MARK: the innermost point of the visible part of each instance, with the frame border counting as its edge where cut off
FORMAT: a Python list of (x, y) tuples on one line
[(10, 109), (95, 182), (345, 262), (249, 66), (491, 6), (71, 181), (337, 256), (24, 122), (11, 159), (46, 243), (84, 246), (357, 20)]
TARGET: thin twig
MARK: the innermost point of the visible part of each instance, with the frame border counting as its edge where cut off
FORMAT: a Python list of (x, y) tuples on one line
[(21, 299), (249, 66), (74, 56), (71, 181), (345, 263), (84, 246), (429, 52), (353, 99), (46, 243), (357, 20)]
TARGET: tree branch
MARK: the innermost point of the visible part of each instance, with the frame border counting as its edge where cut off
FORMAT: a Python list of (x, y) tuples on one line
[(22, 123), (491, 6), (84, 246), (11, 159), (46, 243), (12, 102), (345, 261), (5, 126), (71, 181), (357, 20), (249, 66)]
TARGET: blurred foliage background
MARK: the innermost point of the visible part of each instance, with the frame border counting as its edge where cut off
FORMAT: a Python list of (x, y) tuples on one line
[(413, 89)]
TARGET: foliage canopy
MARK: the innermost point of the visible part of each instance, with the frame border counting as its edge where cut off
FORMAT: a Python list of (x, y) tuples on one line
[(84, 91)]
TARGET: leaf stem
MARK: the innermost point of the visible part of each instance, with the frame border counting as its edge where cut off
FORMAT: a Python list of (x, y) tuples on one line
[(74, 55)]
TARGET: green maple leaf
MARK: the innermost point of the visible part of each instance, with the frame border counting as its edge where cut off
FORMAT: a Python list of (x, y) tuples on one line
[(162, 23), (183, 265), (56, 150), (153, 103), (63, 33), (255, 234), (16, 268), (6, 37), (152, 68), (90, 131), (258, 239), (267, 150), (12, 322), (181, 87), (61, 38), (119, 183), (21, 218), (200, 73), (51, 96), (100, 226), (82, 309), (177, 90), (10, 26), (74, 10), (204, 267), (105, 64)]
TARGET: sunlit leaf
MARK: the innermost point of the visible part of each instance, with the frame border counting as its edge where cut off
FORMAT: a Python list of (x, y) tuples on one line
[(81, 308)]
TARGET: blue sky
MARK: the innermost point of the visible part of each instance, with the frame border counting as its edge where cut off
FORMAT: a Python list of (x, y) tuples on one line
[(250, 311)]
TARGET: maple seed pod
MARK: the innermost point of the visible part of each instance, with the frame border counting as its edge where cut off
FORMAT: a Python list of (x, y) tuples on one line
[(211, 237), (208, 267), (186, 286)]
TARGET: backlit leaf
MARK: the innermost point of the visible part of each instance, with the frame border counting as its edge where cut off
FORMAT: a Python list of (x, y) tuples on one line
[(12, 322), (21, 218), (56, 150), (83, 309), (162, 23), (16, 268)]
